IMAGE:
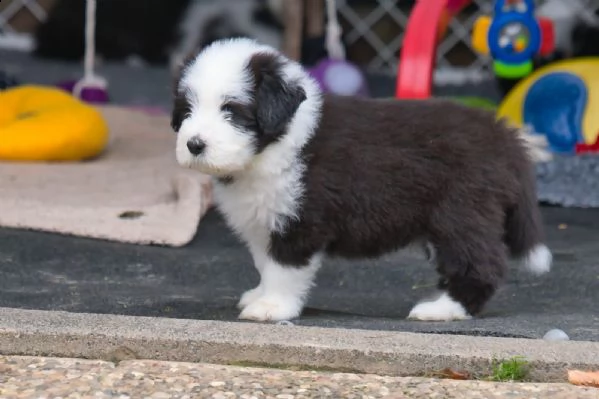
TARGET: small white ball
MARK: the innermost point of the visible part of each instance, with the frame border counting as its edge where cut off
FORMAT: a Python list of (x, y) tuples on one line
[(556, 335)]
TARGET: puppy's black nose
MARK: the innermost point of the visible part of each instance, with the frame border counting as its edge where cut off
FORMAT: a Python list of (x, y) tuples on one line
[(196, 146)]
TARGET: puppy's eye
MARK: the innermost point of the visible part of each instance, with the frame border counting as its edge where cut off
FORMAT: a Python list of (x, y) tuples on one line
[(228, 110)]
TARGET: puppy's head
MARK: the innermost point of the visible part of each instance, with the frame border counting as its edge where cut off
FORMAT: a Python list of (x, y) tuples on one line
[(233, 101)]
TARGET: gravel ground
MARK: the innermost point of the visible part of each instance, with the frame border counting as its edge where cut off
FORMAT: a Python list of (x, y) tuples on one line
[(33, 377)]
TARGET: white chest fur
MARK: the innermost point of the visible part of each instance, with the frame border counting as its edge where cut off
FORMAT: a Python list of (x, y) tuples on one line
[(263, 200)]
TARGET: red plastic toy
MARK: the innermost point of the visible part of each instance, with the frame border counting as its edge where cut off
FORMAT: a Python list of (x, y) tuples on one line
[(426, 26), (587, 148)]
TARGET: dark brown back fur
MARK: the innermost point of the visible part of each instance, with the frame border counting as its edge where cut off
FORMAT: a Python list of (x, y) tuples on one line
[(382, 174)]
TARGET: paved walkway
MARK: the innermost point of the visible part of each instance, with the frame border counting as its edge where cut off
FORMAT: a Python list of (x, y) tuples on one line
[(204, 280), (35, 377)]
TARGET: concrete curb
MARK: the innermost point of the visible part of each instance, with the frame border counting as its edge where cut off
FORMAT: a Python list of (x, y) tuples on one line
[(115, 338)]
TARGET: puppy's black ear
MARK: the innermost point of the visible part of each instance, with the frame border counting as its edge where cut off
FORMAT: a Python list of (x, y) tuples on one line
[(276, 100), (181, 110), (181, 107)]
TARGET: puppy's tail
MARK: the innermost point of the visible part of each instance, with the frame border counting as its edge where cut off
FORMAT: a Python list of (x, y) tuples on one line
[(524, 229), (536, 145)]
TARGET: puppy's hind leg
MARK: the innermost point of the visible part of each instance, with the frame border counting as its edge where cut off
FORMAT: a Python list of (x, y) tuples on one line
[(472, 265)]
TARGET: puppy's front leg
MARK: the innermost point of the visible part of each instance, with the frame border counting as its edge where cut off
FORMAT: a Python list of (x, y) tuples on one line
[(284, 290), (260, 259)]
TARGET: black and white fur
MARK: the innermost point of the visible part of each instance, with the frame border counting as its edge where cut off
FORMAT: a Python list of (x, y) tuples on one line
[(300, 176)]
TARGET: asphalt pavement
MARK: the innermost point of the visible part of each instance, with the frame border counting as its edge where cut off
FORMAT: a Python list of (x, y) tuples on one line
[(204, 280)]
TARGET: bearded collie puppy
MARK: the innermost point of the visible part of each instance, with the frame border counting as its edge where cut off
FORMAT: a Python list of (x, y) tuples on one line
[(300, 176)]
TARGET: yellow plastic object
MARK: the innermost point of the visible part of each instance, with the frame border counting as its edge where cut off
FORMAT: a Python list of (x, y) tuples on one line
[(39, 123), (586, 69), (480, 34)]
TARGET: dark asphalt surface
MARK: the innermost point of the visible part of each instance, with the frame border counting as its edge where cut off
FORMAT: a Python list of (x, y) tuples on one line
[(205, 279)]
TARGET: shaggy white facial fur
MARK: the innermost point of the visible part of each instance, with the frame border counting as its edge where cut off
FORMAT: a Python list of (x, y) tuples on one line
[(266, 187), (206, 84)]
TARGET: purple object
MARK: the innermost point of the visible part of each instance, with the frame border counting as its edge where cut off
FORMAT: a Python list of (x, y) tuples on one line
[(339, 77), (92, 95)]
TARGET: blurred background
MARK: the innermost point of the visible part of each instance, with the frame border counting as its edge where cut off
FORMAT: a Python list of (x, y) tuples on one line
[(42, 41)]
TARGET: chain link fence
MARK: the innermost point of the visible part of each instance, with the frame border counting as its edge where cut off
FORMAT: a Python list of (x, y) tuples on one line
[(18, 19), (373, 30)]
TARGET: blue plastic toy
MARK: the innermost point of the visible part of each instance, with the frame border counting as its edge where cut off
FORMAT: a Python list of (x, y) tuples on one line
[(513, 37)]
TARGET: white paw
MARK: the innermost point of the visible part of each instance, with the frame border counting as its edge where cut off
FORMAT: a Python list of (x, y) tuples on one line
[(538, 261), (249, 296), (442, 309), (272, 308)]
